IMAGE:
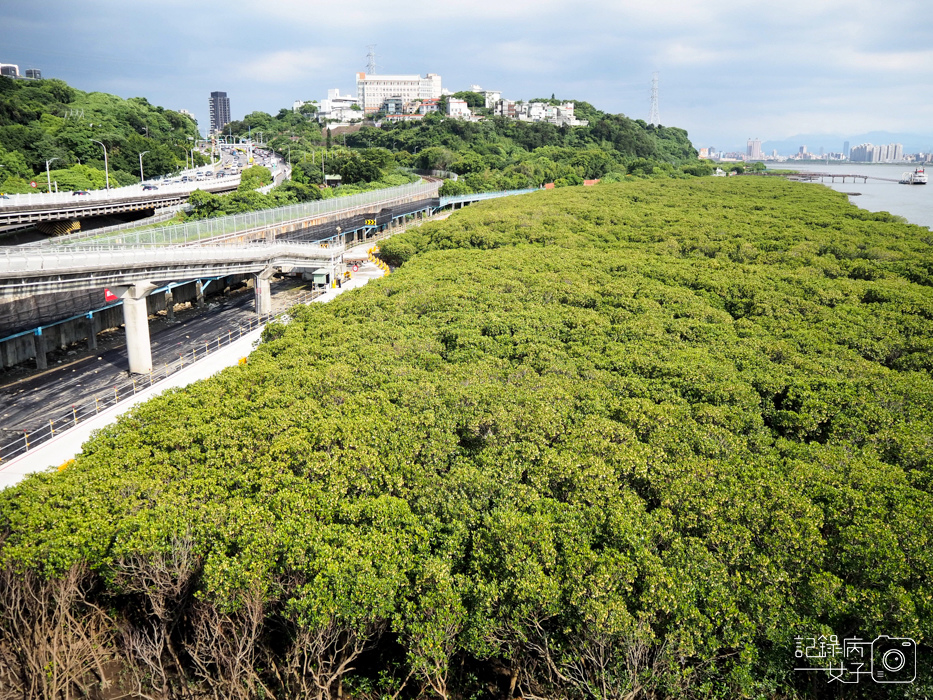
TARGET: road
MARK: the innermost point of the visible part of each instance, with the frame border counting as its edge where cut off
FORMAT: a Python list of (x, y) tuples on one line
[(31, 401)]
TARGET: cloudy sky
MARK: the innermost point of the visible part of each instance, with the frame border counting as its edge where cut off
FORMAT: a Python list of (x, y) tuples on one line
[(729, 69)]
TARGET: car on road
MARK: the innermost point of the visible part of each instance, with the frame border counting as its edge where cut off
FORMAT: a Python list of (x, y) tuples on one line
[(77, 192), (3, 196), (150, 187)]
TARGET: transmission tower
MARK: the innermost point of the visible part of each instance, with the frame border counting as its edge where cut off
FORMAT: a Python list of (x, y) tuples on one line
[(371, 60), (654, 117)]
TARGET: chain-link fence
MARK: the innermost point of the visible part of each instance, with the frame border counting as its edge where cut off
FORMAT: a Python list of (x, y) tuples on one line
[(195, 231)]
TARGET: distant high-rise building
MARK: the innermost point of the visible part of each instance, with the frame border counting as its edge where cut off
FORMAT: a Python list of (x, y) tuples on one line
[(34, 73), (803, 150), (9, 70), (845, 149), (753, 152), (867, 153), (220, 111)]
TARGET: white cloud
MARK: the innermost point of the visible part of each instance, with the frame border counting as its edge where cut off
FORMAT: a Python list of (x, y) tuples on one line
[(287, 66)]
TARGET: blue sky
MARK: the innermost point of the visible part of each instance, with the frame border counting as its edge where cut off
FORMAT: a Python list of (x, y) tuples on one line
[(729, 69)]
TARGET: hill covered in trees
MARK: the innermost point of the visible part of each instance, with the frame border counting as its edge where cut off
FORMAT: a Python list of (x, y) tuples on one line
[(45, 119), (621, 441), (492, 154)]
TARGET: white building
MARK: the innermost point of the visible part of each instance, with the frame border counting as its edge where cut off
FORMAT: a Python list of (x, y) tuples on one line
[(343, 108), (458, 109), (560, 115), (753, 150), (373, 90)]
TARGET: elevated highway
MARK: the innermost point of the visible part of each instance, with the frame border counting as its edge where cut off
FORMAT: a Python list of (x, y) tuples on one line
[(19, 209), (132, 273), (131, 264), (44, 270)]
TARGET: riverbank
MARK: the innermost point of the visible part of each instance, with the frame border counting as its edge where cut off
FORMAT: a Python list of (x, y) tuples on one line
[(914, 203)]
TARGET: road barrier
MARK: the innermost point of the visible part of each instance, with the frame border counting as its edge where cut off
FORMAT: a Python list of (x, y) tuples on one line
[(133, 385)]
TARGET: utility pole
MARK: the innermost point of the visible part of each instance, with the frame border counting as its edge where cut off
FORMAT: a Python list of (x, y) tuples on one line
[(106, 166), (654, 117), (141, 178), (47, 176)]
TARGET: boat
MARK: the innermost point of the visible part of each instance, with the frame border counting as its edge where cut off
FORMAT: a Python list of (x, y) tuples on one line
[(917, 177)]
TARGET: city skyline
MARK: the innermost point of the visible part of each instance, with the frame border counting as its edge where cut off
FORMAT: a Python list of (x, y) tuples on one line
[(724, 73)]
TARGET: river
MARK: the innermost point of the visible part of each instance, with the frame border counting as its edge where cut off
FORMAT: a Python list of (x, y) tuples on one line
[(913, 202)]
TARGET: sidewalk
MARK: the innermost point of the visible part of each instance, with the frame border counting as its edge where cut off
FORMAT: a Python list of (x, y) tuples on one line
[(66, 446)]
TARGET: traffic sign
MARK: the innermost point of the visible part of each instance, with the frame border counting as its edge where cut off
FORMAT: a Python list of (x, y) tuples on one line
[(356, 268), (33, 183)]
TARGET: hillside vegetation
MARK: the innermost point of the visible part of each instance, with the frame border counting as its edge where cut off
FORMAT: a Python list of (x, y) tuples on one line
[(613, 442), (45, 119)]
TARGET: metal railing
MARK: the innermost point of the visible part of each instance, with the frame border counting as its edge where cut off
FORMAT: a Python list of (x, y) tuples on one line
[(43, 270), (195, 231), (133, 385), (15, 261), (44, 200), (475, 197)]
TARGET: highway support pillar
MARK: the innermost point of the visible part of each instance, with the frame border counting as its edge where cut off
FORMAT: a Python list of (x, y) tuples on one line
[(136, 322), (262, 287), (199, 293), (169, 305), (93, 328), (42, 362)]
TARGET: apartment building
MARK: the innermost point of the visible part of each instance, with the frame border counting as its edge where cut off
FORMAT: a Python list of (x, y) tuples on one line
[(373, 90), (561, 115)]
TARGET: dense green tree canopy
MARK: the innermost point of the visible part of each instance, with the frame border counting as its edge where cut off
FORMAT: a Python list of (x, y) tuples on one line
[(609, 442)]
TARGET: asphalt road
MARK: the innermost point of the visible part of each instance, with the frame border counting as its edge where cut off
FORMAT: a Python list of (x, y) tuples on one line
[(29, 402)]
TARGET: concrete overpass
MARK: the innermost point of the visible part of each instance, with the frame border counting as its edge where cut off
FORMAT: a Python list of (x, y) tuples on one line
[(132, 272), (131, 262)]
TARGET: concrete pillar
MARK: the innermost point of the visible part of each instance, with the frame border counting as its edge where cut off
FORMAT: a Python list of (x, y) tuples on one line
[(262, 288), (136, 321), (199, 293), (169, 305), (93, 328), (42, 361)]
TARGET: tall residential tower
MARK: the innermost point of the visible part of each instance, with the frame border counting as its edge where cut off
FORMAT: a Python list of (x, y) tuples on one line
[(220, 111)]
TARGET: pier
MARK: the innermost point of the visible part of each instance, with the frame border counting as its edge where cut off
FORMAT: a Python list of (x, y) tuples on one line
[(812, 177)]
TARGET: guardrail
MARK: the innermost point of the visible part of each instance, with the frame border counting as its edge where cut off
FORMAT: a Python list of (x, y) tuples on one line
[(41, 270), (195, 231), (130, 387), (476, 196), (44, 200)]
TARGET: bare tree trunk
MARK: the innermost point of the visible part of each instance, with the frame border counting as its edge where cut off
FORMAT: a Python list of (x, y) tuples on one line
[(54, 640)]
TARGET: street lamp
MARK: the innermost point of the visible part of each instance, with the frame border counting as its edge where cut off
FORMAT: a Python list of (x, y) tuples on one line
[(106, 166), (141, 178), (48, 177)]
